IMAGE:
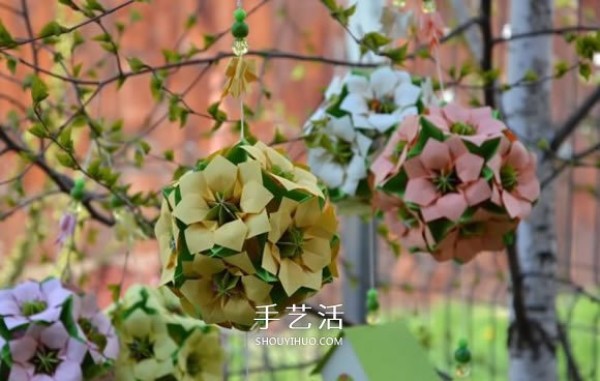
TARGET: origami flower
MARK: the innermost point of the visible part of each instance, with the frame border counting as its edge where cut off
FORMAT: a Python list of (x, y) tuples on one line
[(516, 184), (431, 29), (476, 125), (102, 341), (225, 291), (380, 101), (201, 357), (445, 179), (46, 353), (485, 231), (222, 205), (298, 248), (146, 348), (340, 161), (33, 302)]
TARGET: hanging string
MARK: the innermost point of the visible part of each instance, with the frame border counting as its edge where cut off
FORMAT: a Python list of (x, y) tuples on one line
[(242, 121)]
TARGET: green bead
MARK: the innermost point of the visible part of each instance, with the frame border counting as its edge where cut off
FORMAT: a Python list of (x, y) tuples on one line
[(239, 14), (240, 29), (78, 190), (462, 355), (372, 300)]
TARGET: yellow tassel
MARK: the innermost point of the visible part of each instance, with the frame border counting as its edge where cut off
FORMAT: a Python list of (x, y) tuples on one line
[(239, 74)]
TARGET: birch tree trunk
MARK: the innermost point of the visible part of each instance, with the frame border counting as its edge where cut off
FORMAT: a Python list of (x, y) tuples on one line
[(528, 112)]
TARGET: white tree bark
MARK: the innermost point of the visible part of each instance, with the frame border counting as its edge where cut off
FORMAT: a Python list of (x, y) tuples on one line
[(527, 109)]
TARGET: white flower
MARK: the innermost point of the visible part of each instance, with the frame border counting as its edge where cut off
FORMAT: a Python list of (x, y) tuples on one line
[(381, 101), (429, 98), (342, 165)]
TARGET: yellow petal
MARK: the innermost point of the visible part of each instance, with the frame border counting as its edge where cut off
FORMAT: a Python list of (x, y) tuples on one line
[(195, 291), (192, 183), (191, 209), (258, 224), (221, 175), (291, 276), (198, 238), (268, 261), (138, 324), (308, 181), (257, 154), (254, 197), (312, 280), (250, 171), (207, 266), (280, 222), (256, 290), (242, 261), (239, 311), (148, 370), (275, 157), (232, 235), (315, 261), (308, 213)]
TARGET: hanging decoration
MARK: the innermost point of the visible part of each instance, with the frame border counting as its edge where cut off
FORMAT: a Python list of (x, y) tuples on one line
[(48, 332), (246, 228), (456, 181), (157, 343), (358, 114)]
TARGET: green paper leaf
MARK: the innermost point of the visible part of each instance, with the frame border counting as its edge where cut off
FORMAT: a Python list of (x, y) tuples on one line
[(428, 130)]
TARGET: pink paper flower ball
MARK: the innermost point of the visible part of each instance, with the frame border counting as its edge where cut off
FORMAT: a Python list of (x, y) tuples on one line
[(456, 182)]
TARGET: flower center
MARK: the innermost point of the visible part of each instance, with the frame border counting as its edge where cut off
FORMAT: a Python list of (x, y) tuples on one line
[(385, 105), (463, 129), (342, 151), (92, 334), (509, 177), (45, 360), (446, 181), (33, 307), (291, 242), (194, 364), (141, 348), (225, 284), (222, 210)]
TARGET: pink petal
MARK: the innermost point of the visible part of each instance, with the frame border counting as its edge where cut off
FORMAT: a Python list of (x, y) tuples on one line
[(457, 146), (435, 155), (455, 113), (478, 140), (518, 156), (68, 371), (481, 114), (27, 292), (529, 190), (420, 191), (438, 121), (23, 349), (408, 129), (381, 167), (451, 206), (8, 304), (478, 192), (468, 167), (55, 336), (414, 168), (491, 126), (20, 373), (515, 207)]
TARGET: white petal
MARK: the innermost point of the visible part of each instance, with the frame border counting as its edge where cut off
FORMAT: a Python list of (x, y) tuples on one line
[(331, 173), (335, 87), (407, 94), (357, 84), (357, 169), (355, 103), (361, 121), (383, 122), (364, 144), (349, 186), (403, 77), (406, 112), (383, 81), (342, 127)]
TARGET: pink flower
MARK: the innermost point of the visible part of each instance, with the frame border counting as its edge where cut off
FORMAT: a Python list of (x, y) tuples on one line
[(403, 224), (67, 224), (476, 125), (102, 341), (431, 29), (394, 153), (32, 301), (516, 185), (46, 353), (485, 231), (445, 179)]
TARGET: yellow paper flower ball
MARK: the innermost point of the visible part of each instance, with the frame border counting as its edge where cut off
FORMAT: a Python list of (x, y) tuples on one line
[(246, 228)]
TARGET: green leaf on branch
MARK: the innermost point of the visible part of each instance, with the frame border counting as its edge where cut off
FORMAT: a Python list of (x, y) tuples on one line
[(217, 114), (136, 64), (66, 160), (561, 68), (11, 65), (38, 130), (39, 90), (585, 70), (530, 76), (52, 29), (6, 39), (397, 55), (373, 42), (209, 40), (94, 5)]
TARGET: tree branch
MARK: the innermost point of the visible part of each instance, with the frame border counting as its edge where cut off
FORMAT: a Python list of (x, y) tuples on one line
[(573, 121), (64, 183), (487, 59), (541, 32)]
